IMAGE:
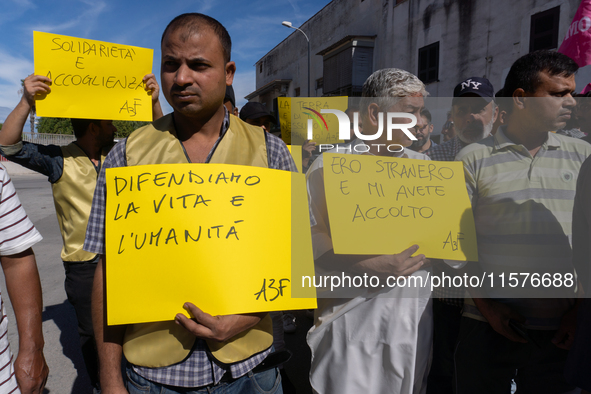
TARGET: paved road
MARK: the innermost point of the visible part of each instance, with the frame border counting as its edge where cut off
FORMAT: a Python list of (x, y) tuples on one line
[(67, 372)]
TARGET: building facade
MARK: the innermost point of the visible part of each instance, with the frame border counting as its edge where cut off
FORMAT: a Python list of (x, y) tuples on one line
[(440, 41)]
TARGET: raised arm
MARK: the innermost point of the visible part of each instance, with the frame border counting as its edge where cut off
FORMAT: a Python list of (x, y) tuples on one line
[(24, 290), (154, 89), (34, 86), (109, 339)]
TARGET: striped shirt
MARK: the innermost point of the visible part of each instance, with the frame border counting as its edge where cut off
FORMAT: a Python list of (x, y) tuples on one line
[(523, 214), (198, 369), (17, 234)]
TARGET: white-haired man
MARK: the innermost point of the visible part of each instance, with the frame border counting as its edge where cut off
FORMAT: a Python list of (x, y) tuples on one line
[(378, 341)]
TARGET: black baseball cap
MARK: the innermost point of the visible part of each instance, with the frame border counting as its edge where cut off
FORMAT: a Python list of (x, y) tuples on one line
[(252, 110), (477, 86), (230, 95)]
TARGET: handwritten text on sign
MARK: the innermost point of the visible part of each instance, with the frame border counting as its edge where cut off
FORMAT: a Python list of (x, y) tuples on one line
[(93, 79), (383, 205), (216, 235), (294, 113)]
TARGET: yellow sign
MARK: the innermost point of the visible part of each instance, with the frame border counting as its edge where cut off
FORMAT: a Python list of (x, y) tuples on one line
[(220, 236), (93, 79), (296, 154), (383, 205), (294, 113)]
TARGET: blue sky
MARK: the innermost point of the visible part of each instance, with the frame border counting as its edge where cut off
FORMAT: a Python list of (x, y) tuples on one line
[(255, 28)]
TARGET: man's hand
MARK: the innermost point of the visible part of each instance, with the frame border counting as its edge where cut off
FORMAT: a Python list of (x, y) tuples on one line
[(308, 148), (154, 89), (217, 328), (498, 316), (565, 335), (401, 264), (31, 371), (35, 85), (152, 86)]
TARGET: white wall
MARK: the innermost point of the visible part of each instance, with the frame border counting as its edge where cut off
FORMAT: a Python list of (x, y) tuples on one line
[(477, 38)]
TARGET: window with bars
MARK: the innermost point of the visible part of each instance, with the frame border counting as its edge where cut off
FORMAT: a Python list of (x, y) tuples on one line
[(543, 33), (429, 63)]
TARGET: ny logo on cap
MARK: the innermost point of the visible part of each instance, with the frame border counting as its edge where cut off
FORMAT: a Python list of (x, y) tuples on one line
[(475, 85)]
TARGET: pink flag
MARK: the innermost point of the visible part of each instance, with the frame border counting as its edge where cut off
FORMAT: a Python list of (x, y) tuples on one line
[(577, 43)]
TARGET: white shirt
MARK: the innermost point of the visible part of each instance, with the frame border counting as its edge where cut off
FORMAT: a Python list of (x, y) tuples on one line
[(17, 234)]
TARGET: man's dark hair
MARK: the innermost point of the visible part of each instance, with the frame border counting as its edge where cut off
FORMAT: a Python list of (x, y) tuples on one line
[(80, 126), (427, 114), (193, 23), (525, 72)]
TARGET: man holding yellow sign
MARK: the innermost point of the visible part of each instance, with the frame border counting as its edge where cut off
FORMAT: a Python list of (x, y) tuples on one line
[(206, 352), (105, 78), (370, 340), (72, 171)]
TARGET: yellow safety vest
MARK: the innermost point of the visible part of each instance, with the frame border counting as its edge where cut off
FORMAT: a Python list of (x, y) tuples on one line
[(72, 196), (162, 344)]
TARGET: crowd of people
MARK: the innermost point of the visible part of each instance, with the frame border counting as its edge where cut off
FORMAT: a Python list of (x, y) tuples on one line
[(524, 151)]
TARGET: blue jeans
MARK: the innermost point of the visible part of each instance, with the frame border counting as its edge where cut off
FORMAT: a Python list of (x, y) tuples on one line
[(266, 382)]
